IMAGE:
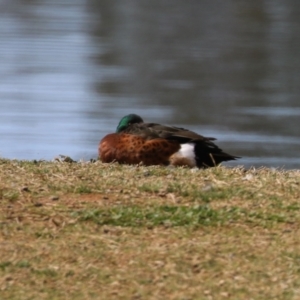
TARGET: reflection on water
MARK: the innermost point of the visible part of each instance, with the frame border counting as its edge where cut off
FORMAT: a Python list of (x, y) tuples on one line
[(227, 69), (271, 111)]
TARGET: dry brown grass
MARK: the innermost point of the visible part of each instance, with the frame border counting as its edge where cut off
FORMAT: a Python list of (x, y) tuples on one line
[(105, 231)]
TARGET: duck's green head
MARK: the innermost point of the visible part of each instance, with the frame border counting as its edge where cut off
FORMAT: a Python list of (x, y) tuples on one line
[(128, 120)]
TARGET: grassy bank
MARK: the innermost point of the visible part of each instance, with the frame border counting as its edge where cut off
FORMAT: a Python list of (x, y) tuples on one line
[(106, 231)]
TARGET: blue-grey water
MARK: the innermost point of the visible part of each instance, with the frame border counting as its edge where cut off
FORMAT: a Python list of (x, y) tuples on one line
[(69, 70)]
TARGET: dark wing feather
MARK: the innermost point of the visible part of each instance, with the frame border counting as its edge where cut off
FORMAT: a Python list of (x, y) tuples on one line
[(207, 153), (153, 130)]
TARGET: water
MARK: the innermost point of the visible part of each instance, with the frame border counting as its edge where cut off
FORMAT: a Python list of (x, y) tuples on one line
[(227, 69)]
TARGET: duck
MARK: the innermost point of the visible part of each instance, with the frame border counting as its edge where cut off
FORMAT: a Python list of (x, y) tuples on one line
[(136, 142)]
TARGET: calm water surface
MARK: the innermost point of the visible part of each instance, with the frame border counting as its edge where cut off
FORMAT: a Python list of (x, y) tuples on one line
[(228, 69)]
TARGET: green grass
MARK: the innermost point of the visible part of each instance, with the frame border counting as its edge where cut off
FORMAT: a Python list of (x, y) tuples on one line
[(107, 231), (136, 216)]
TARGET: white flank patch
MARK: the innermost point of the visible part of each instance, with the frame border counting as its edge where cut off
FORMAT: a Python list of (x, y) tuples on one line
[(187, 151)]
